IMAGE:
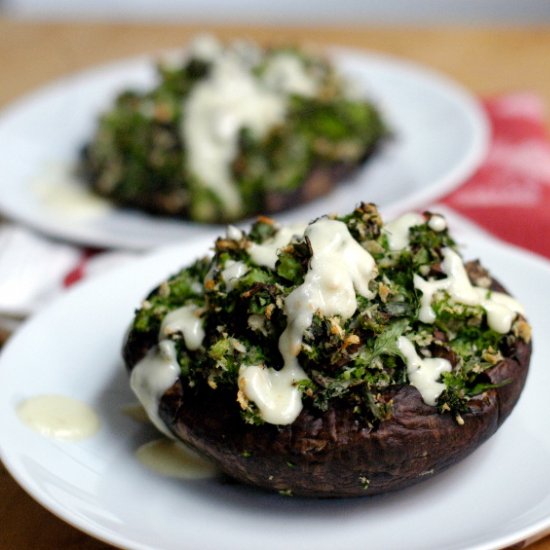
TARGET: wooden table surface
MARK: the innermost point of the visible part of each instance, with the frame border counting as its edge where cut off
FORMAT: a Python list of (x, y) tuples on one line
[(486, 60)]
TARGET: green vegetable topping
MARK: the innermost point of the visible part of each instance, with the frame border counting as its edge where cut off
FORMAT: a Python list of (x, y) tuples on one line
[(359, 361)]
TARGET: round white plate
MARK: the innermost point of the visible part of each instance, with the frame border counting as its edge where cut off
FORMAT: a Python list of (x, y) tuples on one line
[(494, 498), (440, 138)]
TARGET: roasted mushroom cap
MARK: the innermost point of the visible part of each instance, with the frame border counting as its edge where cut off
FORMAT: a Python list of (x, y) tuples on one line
[(335, 453), (343, 358), (217, 139)]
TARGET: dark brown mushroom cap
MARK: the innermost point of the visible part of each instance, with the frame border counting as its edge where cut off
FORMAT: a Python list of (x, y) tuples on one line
[(335, 454)]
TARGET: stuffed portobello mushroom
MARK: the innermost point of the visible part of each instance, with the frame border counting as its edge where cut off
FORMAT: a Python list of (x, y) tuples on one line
[(340, 358), (232, 131)]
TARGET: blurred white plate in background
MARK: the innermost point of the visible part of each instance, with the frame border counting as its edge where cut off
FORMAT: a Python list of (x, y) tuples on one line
[(440, 133)]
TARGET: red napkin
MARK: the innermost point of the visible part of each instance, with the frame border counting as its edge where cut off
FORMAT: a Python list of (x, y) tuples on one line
[(509, 194)]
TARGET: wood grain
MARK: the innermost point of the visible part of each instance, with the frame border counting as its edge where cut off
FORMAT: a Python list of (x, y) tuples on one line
[(486, 60)]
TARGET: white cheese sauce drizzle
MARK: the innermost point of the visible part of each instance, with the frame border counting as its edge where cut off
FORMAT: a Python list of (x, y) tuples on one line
[(234, 233), (424, 374), (232, 272), (338, 268), (59, 417), (152, 376), (173, 459), (214, 114), (185, 321), (397, 231), (286, 73), (437, 223), (501, 309), (159, 369), (265, 254), (229, 99)]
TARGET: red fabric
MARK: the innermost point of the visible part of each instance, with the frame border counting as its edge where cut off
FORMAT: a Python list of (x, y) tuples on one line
[(79, 270), (509, 195)]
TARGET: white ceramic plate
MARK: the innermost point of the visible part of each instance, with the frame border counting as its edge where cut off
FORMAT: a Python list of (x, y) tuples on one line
[(494, 498), (440, 138)]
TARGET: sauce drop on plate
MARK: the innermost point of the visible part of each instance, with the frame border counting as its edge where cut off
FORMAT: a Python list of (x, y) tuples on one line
[(136, 412), (172, 459), (59, 417), (60, 190)]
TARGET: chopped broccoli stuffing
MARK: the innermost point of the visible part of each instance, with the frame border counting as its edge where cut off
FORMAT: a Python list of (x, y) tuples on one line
[(356, 360)]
